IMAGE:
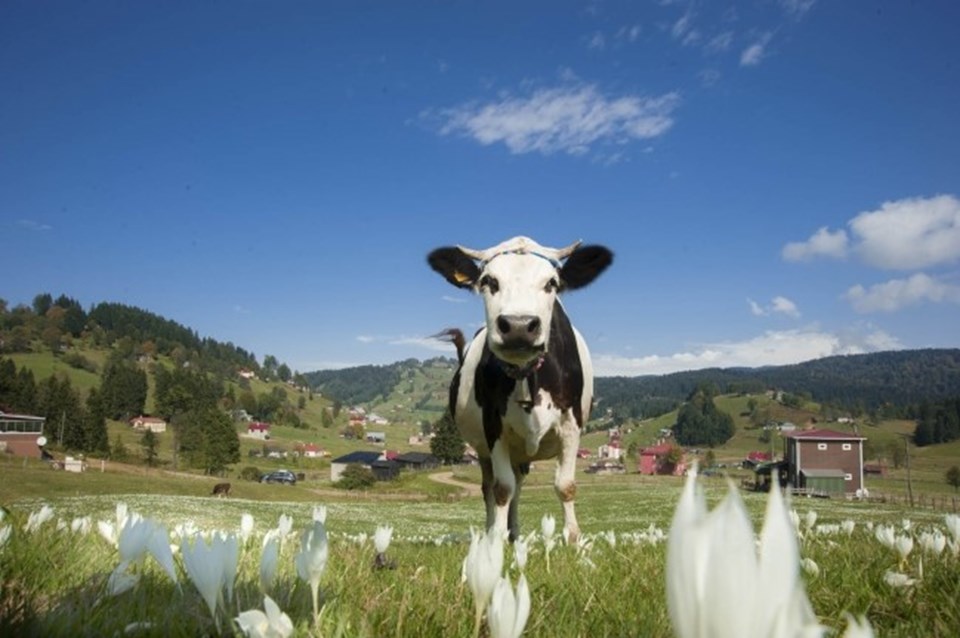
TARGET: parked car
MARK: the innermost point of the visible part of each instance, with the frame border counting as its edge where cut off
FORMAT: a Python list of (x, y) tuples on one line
[(279, 476)]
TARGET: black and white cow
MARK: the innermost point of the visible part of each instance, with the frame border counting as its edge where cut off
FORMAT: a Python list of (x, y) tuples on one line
[(524, 388)]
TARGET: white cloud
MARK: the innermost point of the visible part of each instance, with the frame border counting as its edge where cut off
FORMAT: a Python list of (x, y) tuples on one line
[(797, 8), (709, 77), (452, 299), (428, 343), (910, 233), (771, 348), (566, 119), (597, 41), (30, 224), (366, 338), (720, 43), (682, 25), (630, 33), (821, 243), (899, 293), (754, 54), (778, 305)]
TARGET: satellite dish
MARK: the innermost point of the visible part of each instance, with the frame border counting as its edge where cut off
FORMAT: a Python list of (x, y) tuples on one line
[(41, 441)]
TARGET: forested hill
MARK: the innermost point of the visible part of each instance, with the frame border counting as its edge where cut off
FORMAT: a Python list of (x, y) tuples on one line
[(362, 384), (860, 383)]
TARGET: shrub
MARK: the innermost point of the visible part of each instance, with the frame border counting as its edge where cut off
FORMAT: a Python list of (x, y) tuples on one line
[(356, 477), (250, 473), (80, 362)]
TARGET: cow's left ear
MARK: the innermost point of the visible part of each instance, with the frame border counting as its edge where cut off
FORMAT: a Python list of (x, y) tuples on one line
[(455, 266), (584, 265)]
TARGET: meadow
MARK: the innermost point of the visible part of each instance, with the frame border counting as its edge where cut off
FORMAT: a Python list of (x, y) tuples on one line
[(56, 575)]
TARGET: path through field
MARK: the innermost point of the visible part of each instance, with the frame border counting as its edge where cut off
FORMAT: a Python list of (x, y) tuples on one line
[(468, 489)]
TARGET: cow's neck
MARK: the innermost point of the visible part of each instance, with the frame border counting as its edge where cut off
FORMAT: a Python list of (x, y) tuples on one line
[(516, 372)]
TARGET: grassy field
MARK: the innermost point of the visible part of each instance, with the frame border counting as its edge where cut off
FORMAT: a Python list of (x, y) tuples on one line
[(597, 589)]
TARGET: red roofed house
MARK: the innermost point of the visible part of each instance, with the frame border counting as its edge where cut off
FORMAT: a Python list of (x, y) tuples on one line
[(259, 430), (314, 451), (653, 460), (824, 461)]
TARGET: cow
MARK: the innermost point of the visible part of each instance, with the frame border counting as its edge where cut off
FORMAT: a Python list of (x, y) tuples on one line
[(524, 386), (221, 489)]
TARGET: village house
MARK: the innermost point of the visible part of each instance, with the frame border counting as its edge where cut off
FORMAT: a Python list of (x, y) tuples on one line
[(21, 434), (259, 430), (611, 451), (824, 462), (314, 451), (360, 457), (376, 437), (143, 423), (655, 460)]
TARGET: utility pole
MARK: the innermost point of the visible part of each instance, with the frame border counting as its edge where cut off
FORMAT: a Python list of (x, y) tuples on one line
[(906, 447)]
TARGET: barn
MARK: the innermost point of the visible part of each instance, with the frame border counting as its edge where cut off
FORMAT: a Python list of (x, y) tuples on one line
[(824, 462)]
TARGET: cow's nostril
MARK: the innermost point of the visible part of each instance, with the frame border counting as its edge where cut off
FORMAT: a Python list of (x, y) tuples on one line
[(534, 325), (503, 325)]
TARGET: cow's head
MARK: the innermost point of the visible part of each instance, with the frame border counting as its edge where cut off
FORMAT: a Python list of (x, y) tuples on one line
[(519, 281)]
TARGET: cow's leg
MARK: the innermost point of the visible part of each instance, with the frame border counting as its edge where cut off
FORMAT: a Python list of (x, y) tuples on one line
[(486, 486), (504, 486), (513, 518), (564, 482)]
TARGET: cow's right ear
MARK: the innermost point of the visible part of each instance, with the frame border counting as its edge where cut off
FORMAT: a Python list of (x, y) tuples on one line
[(455, 266)]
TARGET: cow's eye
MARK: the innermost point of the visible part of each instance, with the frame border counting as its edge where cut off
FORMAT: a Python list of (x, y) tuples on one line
[(490, 283), (553, 285)]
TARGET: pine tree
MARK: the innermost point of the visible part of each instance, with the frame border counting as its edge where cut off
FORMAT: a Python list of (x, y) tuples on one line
[(447, 444), (149, 443), (95, 424)]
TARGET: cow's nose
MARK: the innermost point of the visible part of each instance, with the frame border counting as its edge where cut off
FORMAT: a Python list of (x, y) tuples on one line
[(525, 327)]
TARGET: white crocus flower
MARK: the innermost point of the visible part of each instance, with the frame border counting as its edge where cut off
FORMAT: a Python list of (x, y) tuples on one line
[(381, 538), (848, 526), (520, 552), (933, 542), (810, 567), (140, 536), (548, 526), (108, 532), (311, 560), (38, 518), (886, 536), (482, 570), (320, 514), (5, 532), (717, 585), (508, 612), (246, 527), (897, 579), (81, 525), (858, 629), (269, 559), (208, 565), (272, 624), (121, 579), (903, 545), (285, 525), (810, 519)]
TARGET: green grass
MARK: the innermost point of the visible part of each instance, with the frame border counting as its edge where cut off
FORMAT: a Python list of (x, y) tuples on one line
[(54, 580)]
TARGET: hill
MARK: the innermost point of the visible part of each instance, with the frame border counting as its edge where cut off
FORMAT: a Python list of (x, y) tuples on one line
[(852, 383), (893, 381)]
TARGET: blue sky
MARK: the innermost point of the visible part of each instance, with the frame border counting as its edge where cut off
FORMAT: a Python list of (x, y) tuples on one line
[(779, 180)]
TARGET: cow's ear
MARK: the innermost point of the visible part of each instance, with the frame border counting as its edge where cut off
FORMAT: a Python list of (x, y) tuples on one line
[(584, 265), (455, 266)]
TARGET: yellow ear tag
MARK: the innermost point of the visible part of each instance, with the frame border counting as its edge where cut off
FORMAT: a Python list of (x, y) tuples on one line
[(460, 277)]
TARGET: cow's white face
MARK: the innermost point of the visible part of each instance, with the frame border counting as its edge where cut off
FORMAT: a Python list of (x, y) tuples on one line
[(519, 281), (519, 292)]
